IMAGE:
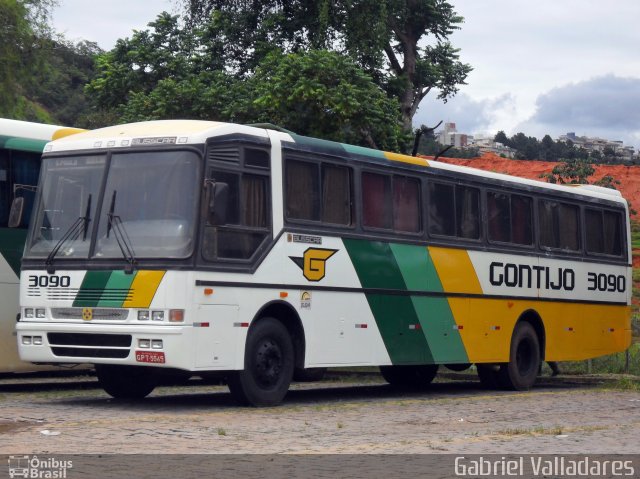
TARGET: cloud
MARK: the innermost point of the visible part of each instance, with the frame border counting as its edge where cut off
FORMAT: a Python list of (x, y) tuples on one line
[(469, 115), (606, 106)]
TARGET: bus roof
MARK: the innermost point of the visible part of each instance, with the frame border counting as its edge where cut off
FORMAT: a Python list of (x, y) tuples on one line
[(29, 136), (198, 131)]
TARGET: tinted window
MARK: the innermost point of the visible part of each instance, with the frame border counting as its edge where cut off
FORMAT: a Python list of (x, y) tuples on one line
[(318, 192), (510, 218), (559, 225), (376, 201), (454, 210), (406, 204), (603, 232)]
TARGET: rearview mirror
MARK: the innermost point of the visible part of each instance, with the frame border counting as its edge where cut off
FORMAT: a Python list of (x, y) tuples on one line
[(218, 194), (16, 213)]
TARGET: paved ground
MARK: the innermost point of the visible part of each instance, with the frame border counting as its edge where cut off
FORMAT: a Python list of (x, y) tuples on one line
[(72, 416)]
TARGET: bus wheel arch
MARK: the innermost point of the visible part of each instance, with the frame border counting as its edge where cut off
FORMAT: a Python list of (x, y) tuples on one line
[(532, 317), (287, 315)]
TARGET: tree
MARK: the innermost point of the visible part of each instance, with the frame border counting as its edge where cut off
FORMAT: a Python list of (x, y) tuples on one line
[(324, 94), (572, 171), (171, 72), (402, 44)]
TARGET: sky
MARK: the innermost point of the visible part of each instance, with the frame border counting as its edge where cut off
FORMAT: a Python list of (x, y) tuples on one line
[(543, 67)]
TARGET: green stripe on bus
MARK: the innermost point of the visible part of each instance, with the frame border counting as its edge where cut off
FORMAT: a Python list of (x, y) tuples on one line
[(436, 319), (116, 288), (395, 315), (92, 288), (22, 144)]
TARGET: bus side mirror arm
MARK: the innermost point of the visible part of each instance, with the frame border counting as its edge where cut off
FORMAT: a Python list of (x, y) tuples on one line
[(17, 212), (217, 195)]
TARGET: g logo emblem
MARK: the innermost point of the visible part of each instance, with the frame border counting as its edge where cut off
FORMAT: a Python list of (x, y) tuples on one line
[(313, 262), (87, 314)]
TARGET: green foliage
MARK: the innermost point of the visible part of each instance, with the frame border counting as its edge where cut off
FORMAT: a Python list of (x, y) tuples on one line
[(572, 171), (324, 94), (402, 44), (171, 72)]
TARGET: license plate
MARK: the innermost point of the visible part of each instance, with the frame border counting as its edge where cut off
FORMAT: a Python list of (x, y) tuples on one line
[(156, 357)]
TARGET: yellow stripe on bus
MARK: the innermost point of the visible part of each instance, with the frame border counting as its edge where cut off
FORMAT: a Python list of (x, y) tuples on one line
[(573, 331), (405, 158), (62, 132), (144, 288)]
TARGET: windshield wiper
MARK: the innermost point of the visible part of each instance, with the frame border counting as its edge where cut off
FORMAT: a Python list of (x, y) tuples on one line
[(120, 234), (79, 225)]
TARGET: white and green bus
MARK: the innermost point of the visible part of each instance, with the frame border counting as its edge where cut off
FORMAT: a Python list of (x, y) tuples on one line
[(21, 145), (208, 247)]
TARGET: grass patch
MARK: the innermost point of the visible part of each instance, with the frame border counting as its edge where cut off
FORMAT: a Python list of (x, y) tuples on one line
[(611, 364), (222, 431), (624, 384)]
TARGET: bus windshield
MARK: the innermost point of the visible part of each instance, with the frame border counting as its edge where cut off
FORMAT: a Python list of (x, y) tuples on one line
[(148, 196)]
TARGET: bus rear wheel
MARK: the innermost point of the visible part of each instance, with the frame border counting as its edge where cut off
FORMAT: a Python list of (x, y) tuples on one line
[(521, 371), (409, 377), (126, 382), (268, 365)]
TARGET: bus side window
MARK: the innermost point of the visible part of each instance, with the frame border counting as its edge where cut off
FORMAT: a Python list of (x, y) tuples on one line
[(441, 209), (603, 231), (377, 205), (559, 225)]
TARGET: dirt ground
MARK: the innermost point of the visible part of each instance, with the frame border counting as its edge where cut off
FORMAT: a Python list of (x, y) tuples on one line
[(347, 416)]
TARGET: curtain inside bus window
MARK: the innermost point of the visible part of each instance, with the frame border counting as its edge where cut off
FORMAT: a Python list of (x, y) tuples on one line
[(521, 220), (612, 233), (499, 217), (376, 201), (441, 209), (569, 225), (255, 200), (467, 212), (594, 230), (232, 180), (336, 195), (302, 190), (547, 219), (406, 204)]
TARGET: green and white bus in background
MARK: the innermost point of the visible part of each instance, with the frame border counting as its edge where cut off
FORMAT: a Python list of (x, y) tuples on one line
[(206, 247), (21, 145)]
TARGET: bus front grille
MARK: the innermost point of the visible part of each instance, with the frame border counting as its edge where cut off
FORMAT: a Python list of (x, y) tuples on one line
[(90, 353), (90, 339), (87, 345), (116, 314)]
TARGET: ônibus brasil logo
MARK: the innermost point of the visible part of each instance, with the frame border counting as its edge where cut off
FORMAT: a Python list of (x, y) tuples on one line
[(37, 468)]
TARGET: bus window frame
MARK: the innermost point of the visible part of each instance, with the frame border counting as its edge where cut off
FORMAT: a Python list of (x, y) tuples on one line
[(534, 228), (243, 142)]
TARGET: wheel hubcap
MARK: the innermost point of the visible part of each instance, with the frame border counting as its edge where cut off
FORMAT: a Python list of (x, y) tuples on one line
[(268, 363)]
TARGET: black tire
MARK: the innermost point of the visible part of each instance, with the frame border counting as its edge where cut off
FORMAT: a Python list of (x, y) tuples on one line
[(126, 382), (521, 371), (489, 375), (409, 377), (268, 365), (308, 375)]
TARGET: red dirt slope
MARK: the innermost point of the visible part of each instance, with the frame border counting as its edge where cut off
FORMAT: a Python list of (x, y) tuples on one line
[(629, 176)]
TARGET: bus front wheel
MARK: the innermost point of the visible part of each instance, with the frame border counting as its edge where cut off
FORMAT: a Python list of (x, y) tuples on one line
[(126, 382), (409, 377), (268, 365), (524, 359)]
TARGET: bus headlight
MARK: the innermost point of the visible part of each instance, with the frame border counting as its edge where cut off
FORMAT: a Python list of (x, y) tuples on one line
[(28, 313), (40, 313), (27, 340), (157, 315), (143, 315)]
